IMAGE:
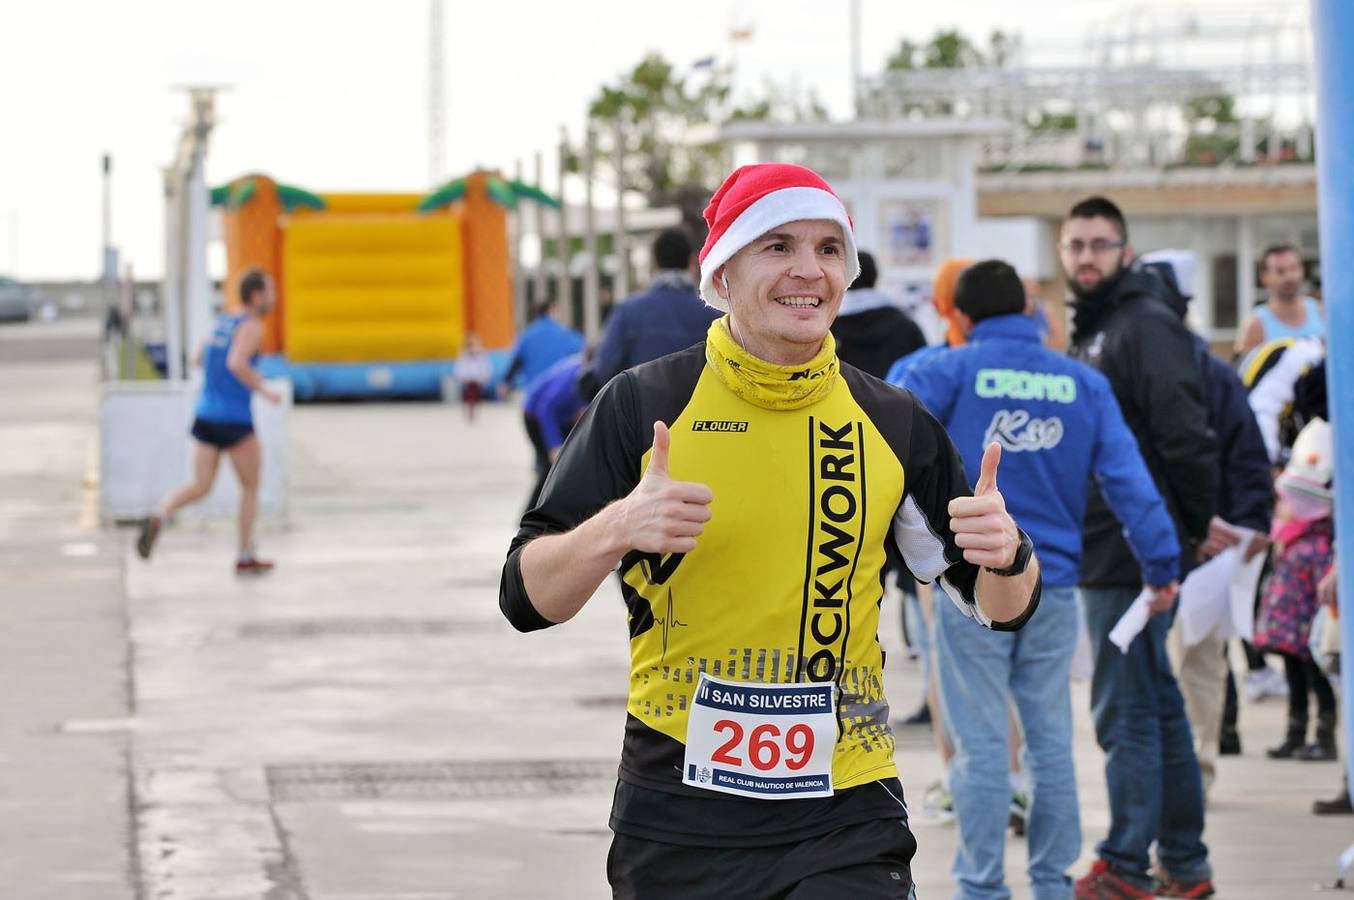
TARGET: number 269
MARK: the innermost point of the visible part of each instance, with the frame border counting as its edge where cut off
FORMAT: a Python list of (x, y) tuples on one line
[(764, 746)]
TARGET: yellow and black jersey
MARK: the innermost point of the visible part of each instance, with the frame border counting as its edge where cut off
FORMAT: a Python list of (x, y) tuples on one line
[(785, 583)]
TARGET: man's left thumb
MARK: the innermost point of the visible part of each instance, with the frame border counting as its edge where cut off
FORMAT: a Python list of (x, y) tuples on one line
[(987, 476)]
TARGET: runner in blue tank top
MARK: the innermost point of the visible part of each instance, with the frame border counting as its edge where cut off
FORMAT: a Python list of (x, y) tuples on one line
[(1287, 312), (223, 422)]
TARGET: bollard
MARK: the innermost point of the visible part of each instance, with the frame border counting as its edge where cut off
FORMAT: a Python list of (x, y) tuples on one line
[(1333, 33)]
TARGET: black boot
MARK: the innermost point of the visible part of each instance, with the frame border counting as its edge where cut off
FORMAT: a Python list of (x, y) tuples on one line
[(1293, 742), (1323, 749), (1338, 806)]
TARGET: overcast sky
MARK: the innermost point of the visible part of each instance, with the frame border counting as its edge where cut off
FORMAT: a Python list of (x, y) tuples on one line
[(333, 95)]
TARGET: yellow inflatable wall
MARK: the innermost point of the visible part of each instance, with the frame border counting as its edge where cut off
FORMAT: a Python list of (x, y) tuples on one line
[(365, 280), (369, 204)]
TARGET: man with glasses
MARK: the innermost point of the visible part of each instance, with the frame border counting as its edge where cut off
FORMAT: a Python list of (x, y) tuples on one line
[(1123, 326)]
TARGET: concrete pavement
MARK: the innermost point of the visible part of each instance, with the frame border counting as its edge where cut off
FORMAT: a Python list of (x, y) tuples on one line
[(361, 724), (65, 804)]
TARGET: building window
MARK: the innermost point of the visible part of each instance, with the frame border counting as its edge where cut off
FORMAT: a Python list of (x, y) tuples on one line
[(1224, 291)]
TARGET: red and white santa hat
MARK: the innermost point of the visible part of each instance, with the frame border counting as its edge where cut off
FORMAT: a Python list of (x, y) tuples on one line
[(754, 200)]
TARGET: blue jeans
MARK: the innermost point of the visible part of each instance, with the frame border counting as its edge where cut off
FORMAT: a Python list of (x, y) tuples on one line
[(981, 671), (1155, 791)]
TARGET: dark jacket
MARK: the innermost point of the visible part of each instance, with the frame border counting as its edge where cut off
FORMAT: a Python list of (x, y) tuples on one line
[(1245, 484), (874, 337), (1129, 333), (668, 317)]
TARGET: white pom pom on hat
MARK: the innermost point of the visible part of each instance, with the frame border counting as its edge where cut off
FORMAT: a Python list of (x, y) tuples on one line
[(1311, 467), (755, 199)]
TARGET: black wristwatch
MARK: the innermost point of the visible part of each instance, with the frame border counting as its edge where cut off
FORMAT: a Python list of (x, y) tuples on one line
[(1022, 557)]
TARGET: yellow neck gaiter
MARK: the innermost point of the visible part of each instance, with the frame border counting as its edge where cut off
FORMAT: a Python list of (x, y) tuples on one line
[(766, 384)]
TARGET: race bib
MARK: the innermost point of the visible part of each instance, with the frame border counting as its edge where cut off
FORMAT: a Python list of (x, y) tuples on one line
[(768, 741)]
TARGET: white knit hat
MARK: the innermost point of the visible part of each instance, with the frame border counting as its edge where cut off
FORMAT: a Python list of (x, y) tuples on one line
[(1311, 467)]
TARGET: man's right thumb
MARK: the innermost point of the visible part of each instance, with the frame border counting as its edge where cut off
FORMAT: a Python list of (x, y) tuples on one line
[(658, 460)]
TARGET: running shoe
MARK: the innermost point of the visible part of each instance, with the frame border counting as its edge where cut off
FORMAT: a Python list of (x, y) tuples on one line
[(1101, 883), (1020, 809), (150, 531), (252, 565), (921, 717), (1264, 683), (938, 803), (1164, 885)]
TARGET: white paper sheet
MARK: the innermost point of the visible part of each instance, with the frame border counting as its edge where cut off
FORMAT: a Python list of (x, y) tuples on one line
[(1219, 596), (1244, 583), (1205, 596), (1132, 622)]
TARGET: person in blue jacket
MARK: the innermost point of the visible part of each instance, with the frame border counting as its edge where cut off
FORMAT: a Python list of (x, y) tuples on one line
[(1059, 426), (541, 344), (549, 412), (669, 315)]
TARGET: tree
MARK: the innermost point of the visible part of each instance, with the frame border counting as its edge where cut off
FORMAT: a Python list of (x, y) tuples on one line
[(904, 58), (1048, 119), (1213, 135), (951, 50), (1003, 48), (1211, 110), (660, 105)]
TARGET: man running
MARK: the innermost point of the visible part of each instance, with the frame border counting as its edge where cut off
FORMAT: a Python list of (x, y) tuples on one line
[(224, 422), (745, 489), (1288, 312)]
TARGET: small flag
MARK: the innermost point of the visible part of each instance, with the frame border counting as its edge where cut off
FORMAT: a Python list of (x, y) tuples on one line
[(741, 34)]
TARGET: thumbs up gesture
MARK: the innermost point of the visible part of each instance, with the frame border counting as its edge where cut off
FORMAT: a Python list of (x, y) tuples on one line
[(982, 528), (662, 515)]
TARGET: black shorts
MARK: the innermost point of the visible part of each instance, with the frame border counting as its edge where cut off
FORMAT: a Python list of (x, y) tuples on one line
[(869, 861), (222, 435)]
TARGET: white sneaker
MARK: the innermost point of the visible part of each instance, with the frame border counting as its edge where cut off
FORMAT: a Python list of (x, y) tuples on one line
[(938, 802), (1264, 683)]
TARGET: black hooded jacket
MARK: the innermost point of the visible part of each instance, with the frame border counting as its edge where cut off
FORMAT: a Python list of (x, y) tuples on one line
[(873, 340), (1245, 485), (1137, 341)]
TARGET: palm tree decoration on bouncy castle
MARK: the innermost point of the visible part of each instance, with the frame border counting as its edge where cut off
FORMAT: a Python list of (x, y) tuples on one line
[(483, 199)]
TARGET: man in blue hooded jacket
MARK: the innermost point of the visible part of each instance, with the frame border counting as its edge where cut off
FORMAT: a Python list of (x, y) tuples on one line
[(1058, 425)]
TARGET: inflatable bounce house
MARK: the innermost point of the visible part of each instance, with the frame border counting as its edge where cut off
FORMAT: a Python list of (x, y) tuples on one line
[(376, 293)]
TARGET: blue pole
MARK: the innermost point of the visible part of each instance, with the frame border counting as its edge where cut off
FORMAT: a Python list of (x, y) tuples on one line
[(1333, 29)]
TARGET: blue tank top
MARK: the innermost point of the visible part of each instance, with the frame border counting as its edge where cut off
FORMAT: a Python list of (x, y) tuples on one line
[(1275, 329), (224, 397)]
